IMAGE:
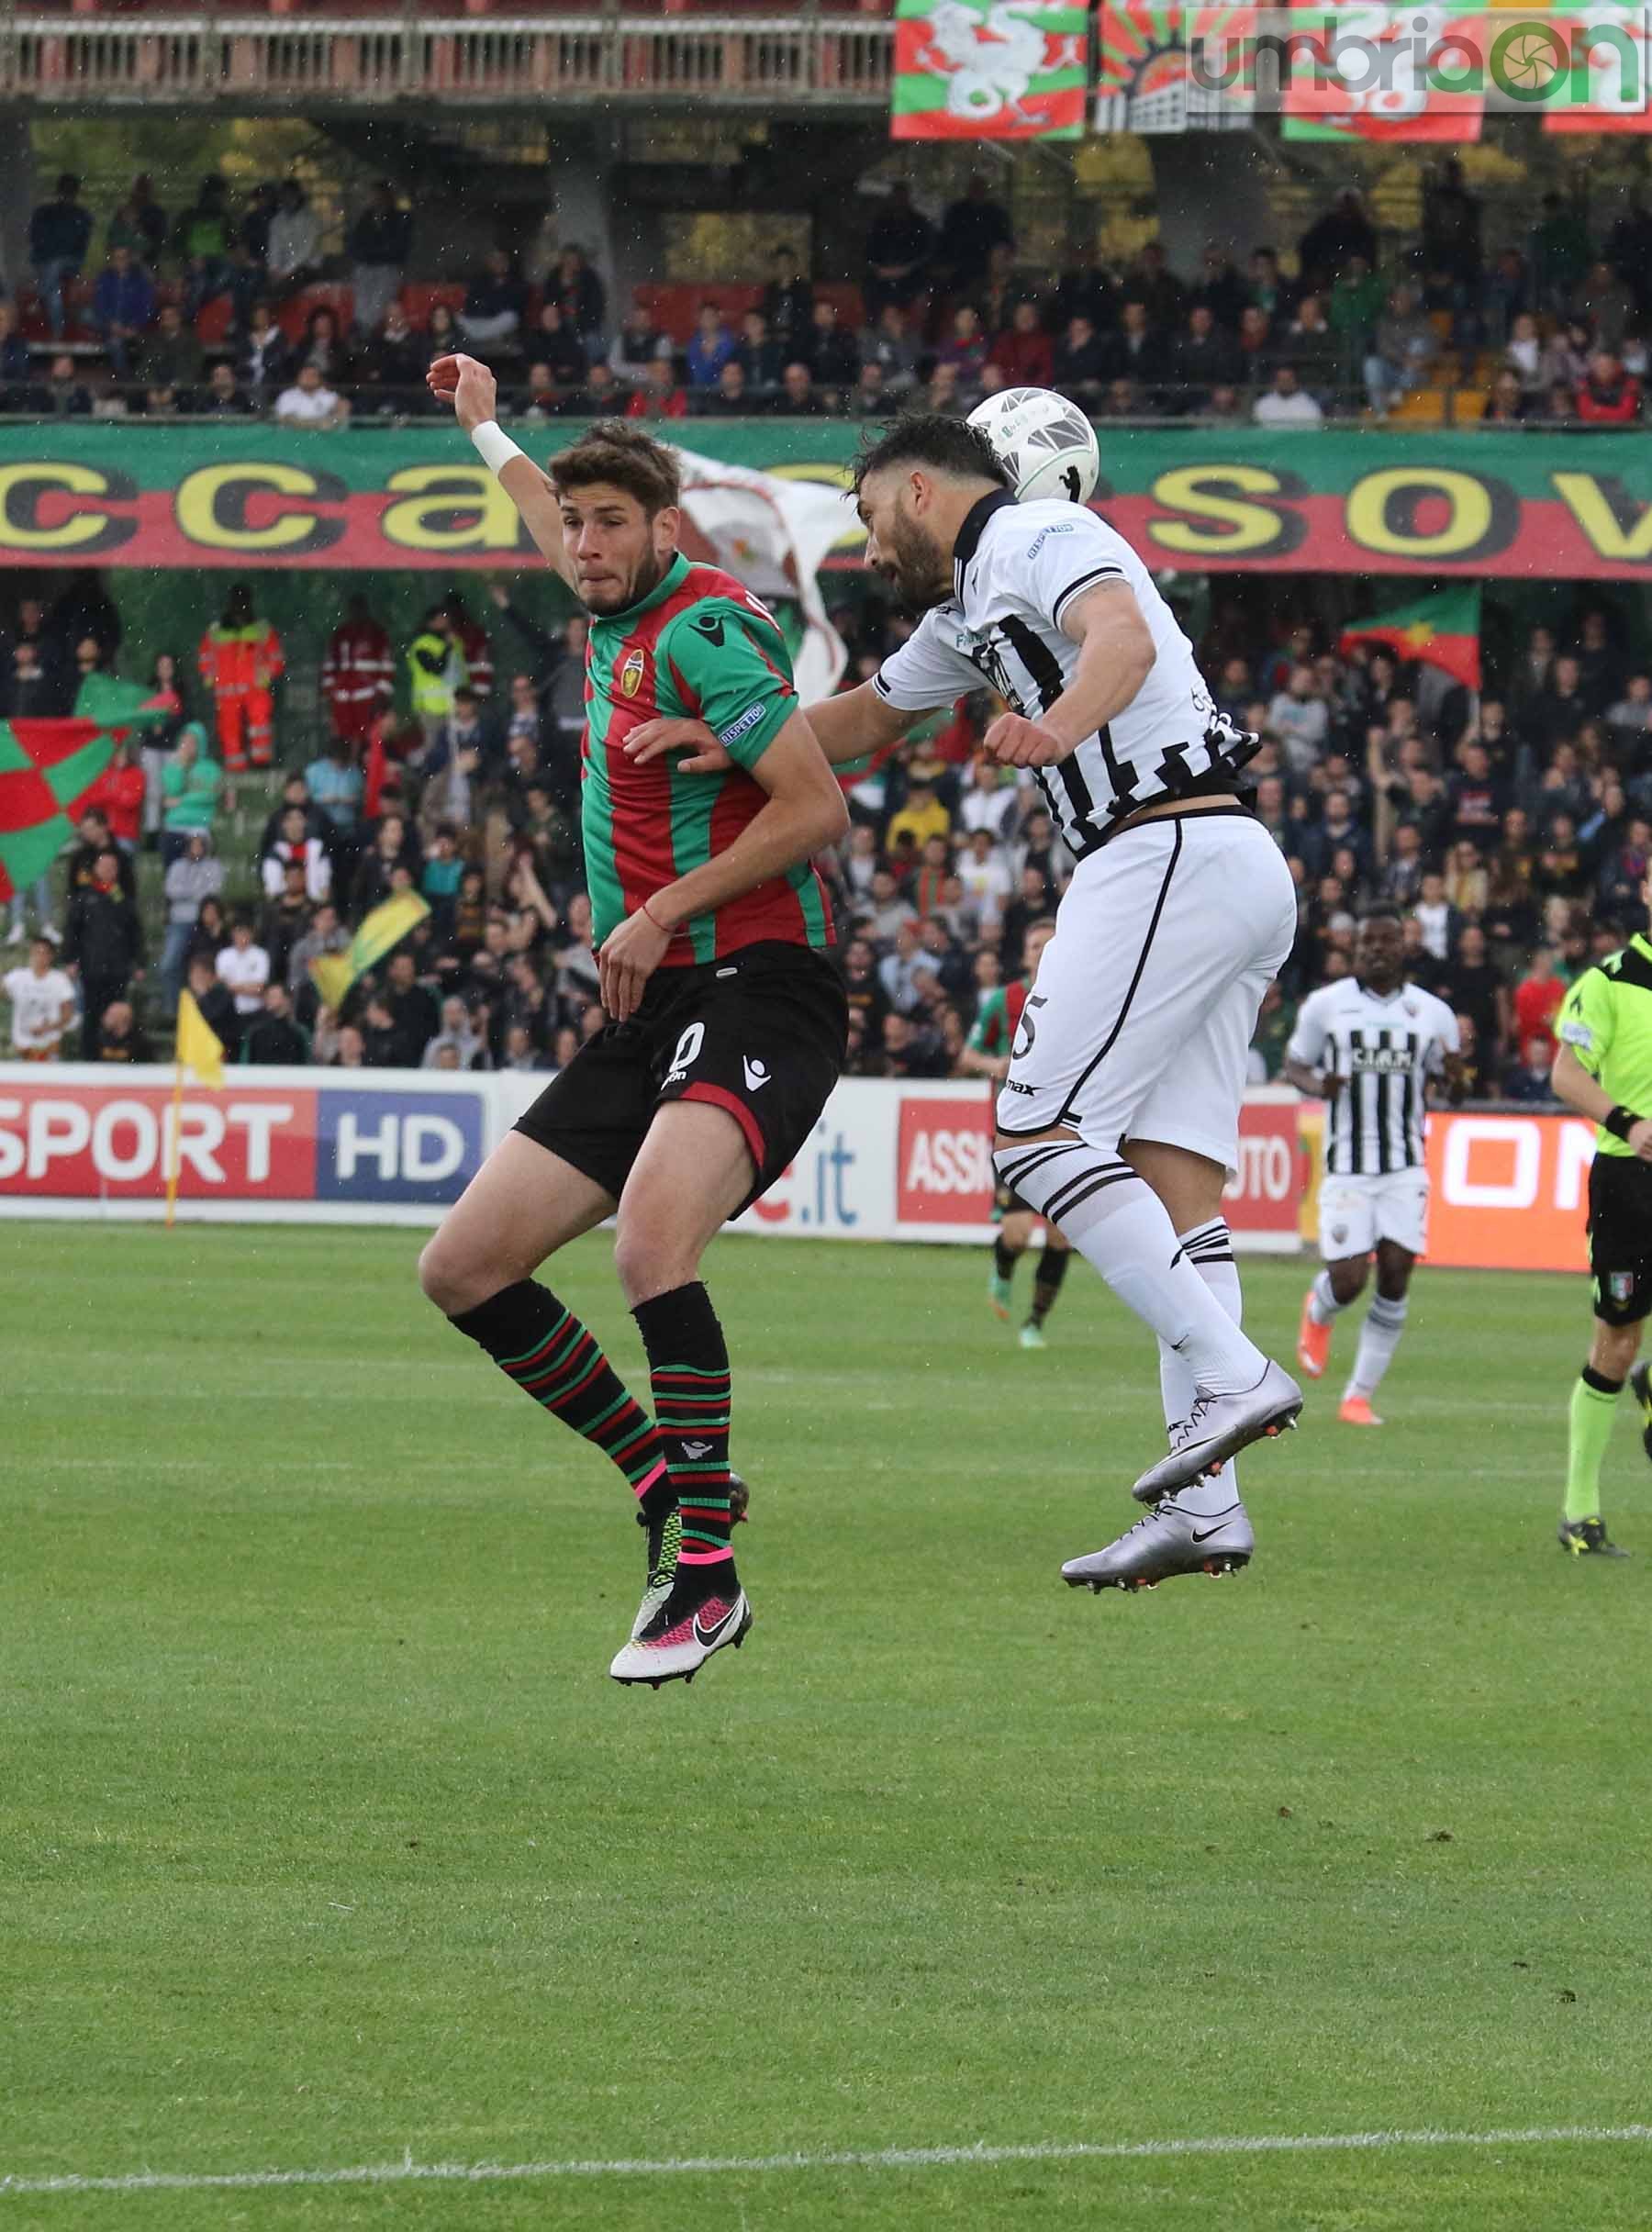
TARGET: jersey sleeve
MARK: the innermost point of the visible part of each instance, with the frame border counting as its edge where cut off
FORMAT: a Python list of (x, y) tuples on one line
[(1586, 1019), (730, 669), (1307, 1041), (1447, 1039), (926, 672), (1066, 557)]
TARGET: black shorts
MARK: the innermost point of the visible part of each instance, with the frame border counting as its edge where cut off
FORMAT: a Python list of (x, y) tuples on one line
[(762, 1034), (1620, 1237)]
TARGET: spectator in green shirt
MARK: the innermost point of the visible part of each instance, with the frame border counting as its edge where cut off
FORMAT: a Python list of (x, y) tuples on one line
[(192, 789), (1356, 301)]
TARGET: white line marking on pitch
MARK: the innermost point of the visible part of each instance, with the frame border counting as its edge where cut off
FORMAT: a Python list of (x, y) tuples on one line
[(409, 2173)]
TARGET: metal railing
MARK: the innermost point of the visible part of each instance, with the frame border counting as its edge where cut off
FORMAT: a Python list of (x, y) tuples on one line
[(126, 404), (274, 62)]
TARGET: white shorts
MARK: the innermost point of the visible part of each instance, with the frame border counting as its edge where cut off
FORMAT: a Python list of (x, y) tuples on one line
[(1139, 1021), (1355, 1213)]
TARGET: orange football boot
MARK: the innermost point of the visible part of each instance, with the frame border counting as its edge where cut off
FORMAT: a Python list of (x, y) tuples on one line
[(1313, 1341)]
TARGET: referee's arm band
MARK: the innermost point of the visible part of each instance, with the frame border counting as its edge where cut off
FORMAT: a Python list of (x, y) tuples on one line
[(494, 445), (1619, 1121)]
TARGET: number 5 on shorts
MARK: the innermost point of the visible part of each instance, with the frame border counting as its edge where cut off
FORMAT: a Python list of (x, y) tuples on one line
[(1023, 1045)]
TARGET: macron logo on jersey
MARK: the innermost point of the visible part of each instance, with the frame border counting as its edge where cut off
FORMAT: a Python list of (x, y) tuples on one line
[(747, 722)]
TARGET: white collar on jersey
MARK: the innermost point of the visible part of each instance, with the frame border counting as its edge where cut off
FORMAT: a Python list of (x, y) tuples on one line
[(1399, 992), (972, 529)]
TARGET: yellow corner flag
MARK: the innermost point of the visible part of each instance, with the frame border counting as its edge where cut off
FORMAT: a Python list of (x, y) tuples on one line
[(200, 1048), (380, 933), (199, 1045)]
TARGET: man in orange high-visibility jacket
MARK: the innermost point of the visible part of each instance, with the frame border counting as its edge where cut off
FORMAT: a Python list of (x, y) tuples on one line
[(240, 658)]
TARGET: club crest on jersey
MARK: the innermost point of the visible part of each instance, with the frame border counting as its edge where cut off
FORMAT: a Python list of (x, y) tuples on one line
[(632, 673), (1621, 1286)]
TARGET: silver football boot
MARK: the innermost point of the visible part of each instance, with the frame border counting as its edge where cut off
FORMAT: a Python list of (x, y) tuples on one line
[(1168, 1542), (1218, 1427)]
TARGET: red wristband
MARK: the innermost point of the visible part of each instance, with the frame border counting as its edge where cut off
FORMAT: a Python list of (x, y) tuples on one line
[(656, 921)]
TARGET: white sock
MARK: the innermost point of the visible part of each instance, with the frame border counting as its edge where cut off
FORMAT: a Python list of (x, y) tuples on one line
[(1379, 1338), (1322, 1304), (1117, 1224), (1210, 1249)]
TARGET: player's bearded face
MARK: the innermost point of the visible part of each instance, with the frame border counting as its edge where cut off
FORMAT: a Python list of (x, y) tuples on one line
[(907, 556)]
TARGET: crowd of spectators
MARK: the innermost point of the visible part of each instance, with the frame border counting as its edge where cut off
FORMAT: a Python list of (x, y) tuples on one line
[(1512, 830), (1554, 331)]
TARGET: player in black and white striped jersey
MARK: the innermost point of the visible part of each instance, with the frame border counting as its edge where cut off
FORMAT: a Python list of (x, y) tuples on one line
[(1369, 1047), (1019, 574), (1118, 1120)]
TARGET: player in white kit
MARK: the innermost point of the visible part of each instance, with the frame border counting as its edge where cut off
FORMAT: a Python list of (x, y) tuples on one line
[(1118, 1120), (1368, 1046)]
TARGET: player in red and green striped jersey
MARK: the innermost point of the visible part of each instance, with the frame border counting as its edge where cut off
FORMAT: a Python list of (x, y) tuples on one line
[(727, 1024), (987, 1055)]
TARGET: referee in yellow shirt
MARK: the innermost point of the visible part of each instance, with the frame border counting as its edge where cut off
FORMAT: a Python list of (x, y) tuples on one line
[(1604, 1070)]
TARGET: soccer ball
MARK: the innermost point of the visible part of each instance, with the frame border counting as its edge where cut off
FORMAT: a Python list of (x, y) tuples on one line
[(1045, 444)]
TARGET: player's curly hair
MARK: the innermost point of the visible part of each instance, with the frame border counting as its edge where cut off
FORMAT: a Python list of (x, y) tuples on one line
[(625, 457), (931, 439)]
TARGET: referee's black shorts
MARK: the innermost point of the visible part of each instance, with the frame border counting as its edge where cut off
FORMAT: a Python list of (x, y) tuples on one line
[(761, 1034), (1620, 1237)]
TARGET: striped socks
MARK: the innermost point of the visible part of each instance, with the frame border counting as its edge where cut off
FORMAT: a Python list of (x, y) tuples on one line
[(1379, 1338), (1117, 1224), (551, 1356), (688, 1369), (1210, 1249)]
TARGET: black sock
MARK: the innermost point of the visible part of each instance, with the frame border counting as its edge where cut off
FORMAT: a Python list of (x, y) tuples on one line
[(688, 1367), (1003, 1260), (546, 1352), (1046, 1280)]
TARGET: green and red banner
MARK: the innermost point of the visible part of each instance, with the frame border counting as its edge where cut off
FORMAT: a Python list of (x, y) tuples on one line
[(989, 69), (1397, 92), (1146, 81), (47, 768), (1481, 502), (1617, 59), (1442, 631)]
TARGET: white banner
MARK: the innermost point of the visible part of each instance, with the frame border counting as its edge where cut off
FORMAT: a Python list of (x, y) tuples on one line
[(308, 1146), (775, 534)]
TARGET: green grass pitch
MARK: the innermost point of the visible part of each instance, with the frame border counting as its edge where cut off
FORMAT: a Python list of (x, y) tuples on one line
[(325, 1839)]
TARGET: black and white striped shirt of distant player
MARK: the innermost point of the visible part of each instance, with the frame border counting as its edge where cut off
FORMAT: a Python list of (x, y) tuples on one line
[(1017, 568), (1380, 1050)]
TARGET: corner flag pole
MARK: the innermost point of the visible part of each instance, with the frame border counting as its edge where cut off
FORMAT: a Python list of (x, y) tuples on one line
[(174, 1158)]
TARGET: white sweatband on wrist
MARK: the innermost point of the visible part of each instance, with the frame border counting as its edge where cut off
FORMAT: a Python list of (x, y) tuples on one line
[(494, 445)]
